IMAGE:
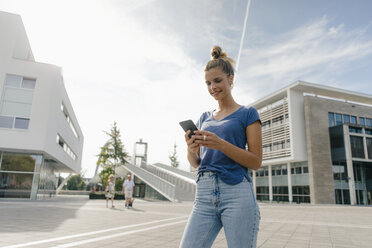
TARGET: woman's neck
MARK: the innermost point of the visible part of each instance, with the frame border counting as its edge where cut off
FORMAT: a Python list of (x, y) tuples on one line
[(227, 104)]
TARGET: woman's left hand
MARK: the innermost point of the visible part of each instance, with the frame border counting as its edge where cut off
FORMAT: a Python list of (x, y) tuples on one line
[(208, 139)]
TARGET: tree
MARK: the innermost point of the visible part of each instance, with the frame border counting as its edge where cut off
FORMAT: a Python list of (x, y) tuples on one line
[(112, 154), (104, 175), (173, 157), (76, 182)]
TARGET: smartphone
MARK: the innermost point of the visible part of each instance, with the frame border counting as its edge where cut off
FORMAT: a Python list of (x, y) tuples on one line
[(188, 125)]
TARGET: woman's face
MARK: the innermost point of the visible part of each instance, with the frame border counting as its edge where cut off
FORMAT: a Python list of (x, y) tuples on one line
[(218, 83)]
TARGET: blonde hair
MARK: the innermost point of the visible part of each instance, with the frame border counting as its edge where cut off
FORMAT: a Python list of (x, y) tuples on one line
[(220, 60)]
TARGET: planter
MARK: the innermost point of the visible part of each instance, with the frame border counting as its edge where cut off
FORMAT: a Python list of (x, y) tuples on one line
[(101, 195)]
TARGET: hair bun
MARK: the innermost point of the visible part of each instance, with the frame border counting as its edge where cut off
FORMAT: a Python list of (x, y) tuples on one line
[(217, 53)]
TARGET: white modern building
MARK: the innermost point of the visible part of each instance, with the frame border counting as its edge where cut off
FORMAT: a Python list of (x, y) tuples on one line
[(39, 133), (317, 146)]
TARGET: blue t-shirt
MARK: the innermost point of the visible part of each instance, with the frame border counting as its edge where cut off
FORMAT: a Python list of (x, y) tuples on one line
[(232, 129)]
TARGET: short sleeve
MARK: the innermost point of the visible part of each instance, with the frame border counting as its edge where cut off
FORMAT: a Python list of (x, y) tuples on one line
[(200, 121), (252, 116)]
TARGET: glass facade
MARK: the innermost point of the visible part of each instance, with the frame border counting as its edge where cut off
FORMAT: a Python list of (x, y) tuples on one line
[(357, 147), (340, 177), (17, 173), (363, 185)]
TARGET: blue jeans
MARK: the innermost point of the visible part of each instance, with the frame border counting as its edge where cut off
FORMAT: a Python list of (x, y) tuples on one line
[(218, 205)]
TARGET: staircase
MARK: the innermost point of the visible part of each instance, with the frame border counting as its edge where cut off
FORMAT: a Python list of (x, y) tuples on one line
[(184, 181), (174, 184)]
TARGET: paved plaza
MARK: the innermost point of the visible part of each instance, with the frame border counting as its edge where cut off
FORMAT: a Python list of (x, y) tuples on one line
[(76, 221)]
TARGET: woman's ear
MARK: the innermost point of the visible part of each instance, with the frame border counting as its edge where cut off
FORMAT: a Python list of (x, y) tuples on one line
[(231, 81)]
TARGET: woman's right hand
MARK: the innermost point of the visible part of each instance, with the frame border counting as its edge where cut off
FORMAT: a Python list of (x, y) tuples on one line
[(192, 147)]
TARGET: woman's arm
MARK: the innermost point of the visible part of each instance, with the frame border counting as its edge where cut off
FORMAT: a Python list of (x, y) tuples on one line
[(250, 159), (193, 150)]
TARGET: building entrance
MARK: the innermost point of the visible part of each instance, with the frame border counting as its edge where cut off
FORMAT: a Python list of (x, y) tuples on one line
[(363, 182)]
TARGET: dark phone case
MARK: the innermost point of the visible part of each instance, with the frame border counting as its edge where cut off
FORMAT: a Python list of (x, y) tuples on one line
[(188, 125)]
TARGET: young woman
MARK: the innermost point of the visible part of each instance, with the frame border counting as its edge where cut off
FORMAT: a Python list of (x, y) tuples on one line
[(224, 196)]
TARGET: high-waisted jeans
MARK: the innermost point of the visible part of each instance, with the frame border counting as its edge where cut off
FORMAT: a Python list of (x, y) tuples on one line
[(218, 205)]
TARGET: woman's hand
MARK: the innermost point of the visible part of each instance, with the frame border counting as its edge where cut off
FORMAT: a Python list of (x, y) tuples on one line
[(208, 139), (192, 147)]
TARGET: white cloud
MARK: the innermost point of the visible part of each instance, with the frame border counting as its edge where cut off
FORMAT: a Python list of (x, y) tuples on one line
[(317, 52)]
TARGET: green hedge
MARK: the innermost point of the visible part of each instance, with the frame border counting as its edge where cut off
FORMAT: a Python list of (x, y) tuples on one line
[(101, 195)]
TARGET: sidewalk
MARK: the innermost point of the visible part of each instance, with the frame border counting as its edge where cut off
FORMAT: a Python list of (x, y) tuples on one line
[(75, 221)]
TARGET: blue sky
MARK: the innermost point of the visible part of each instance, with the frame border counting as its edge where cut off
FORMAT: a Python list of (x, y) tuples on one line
[(140, 62)]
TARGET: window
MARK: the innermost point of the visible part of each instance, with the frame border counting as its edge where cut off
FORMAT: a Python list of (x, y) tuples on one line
[(266, 125), (65, 113), (298, 170), (277, 121), (21, 123), (361, 121), (346, 118), (6, 121), (353, 120), (65, 147), (355, 130), (305, 169), (369, 147), (368, 131), (357, 148), (284, 170), (16, 102), (338, 119), (368, 122), (331, 117)]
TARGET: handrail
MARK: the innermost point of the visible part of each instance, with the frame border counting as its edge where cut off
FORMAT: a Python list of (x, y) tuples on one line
[(167, 189)]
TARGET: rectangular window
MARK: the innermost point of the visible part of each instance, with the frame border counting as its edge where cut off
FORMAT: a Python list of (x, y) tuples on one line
[(16, 103), (272, 172), (15, 185), (331, 118), (353, 120), (6, 121), (338, 119), (361, 121), (369, 147), (298, 170), (13, 81), (28, 83), (65, 147), (284, 170), (346, 118), (357, 148), (368, 122), (305, 170), (368, 131), (21, 123), (355, 130), (68, 119), (18, 162)]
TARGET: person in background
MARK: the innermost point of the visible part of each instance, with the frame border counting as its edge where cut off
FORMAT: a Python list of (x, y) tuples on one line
[(224, 193), (110, 191), (128, 188)]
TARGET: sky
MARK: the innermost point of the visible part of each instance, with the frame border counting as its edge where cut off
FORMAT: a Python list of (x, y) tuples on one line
[(141, 62)]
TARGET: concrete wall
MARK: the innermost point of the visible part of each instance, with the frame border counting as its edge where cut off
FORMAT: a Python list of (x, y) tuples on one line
[(319, 148), (297, 125), (46, 118)]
